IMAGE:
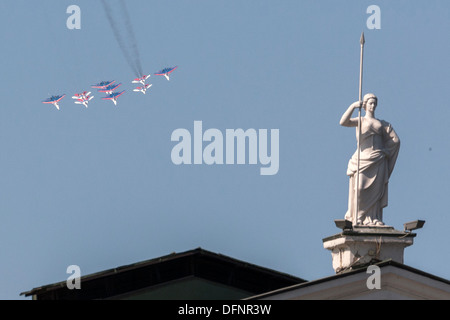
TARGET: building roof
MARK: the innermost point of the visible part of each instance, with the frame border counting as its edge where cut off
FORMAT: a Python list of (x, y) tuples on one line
[(239, 277), (295, 291)]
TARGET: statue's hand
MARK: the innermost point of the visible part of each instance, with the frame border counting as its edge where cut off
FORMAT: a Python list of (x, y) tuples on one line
[(357, 104)]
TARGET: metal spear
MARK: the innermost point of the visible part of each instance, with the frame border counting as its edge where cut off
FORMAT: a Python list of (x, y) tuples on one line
[(362, 41)]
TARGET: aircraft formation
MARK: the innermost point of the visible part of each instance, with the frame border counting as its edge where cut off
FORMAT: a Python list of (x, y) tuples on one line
[(109, 88)]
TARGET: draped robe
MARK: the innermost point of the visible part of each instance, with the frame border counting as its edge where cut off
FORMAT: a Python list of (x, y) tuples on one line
[(379, 150)]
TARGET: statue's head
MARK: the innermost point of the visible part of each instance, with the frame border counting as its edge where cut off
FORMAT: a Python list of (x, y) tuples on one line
[(366, 99)]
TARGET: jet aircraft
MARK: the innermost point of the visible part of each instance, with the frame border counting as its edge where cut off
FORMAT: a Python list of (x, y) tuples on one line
[(54, 100), (103, 84), (113, 97), (82, 95), (83, 98), (141, 79), (84, 101), (166, 72), (143, 89), (110, 89)]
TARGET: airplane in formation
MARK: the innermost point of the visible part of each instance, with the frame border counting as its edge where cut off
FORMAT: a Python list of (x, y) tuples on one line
[(143, 89), (102, 84), (109, 89), (141, 79), (84, 101), (113, 97), (166, 72), (82, 95), (54, 100), (83, 98)]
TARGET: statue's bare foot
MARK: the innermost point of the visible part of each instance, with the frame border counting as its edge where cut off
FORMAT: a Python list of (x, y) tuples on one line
[(377, 222)]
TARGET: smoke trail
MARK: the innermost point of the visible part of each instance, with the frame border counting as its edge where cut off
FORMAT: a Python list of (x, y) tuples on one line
[(125, 46), (132, 38)]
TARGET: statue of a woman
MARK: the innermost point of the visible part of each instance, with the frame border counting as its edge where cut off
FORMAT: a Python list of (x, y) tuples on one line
[(379, 147)]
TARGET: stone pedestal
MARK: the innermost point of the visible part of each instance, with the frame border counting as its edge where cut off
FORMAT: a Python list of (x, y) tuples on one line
[(362, 244)]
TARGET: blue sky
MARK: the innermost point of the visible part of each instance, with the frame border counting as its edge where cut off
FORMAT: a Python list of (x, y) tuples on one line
[(97, 188)]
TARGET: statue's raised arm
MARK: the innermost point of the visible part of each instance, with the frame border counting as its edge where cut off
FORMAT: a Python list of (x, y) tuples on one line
[(346, 119)]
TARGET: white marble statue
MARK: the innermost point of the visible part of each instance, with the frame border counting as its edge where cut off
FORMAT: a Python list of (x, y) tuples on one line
[(379, 147)]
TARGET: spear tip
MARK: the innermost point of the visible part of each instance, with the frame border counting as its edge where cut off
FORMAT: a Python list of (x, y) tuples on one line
[(362, 41)]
